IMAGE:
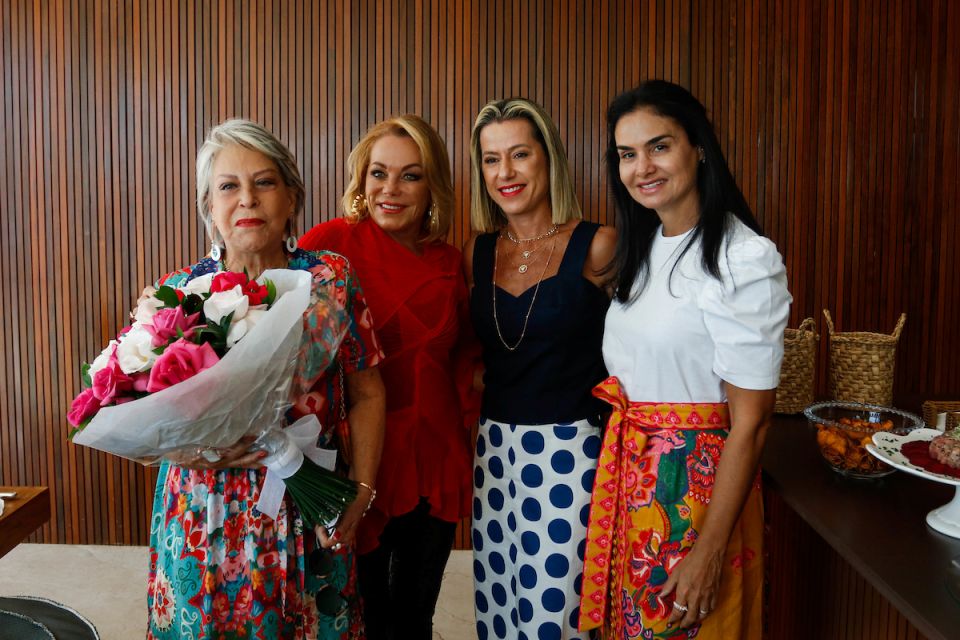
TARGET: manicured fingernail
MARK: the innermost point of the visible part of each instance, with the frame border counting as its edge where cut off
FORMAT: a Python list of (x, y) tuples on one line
[(335, 536), (261, 455)]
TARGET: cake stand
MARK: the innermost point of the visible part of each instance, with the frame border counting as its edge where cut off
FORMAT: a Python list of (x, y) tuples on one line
[(886, 447)]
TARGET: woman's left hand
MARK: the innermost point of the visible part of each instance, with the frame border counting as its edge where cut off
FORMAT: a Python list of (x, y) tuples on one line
[(346, 529), (238, 456), (695, 584), (367, 410)]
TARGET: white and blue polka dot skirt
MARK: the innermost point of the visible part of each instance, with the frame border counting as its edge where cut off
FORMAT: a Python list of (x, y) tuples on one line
[(531, 501)]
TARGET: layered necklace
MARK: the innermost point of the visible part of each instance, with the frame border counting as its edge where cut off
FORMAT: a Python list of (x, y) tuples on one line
[(522, 269), (527, 253)]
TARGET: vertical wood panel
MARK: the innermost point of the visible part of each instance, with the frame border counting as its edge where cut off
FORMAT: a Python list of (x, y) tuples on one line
[(812, 592), (840, 120)]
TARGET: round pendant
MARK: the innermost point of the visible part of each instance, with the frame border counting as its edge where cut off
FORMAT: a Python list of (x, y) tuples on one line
[(522, 268), (525, 255)]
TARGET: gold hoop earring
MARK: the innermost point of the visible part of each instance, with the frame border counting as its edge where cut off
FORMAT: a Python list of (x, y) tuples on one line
[(359, 206)]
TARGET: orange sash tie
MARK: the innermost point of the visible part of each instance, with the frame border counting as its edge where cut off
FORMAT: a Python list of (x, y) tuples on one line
[(628, 428)]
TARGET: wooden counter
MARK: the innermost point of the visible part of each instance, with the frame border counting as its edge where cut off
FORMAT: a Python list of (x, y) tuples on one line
[(878, 527), (22, 515)]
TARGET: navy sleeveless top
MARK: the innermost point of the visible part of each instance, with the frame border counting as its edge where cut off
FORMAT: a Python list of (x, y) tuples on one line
[(548, 378)]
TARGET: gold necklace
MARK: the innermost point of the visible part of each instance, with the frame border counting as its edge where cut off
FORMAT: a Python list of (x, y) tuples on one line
[(526, 259), (546, 234), (526, 318)]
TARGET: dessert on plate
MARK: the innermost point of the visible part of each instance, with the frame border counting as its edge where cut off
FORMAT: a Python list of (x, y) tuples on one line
[(945, 448)]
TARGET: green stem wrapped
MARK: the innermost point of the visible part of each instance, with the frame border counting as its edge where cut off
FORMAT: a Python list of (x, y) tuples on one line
[(320, 495)]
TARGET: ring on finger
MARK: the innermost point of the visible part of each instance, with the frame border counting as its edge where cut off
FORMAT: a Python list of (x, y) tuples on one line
[(680, 607), (704, 612), (210, 455)]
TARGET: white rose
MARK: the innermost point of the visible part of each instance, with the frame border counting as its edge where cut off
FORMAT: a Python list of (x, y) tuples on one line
[(222, 303), (135, 351), (241, 327), (146, 309), (101, 360), (199, 285)]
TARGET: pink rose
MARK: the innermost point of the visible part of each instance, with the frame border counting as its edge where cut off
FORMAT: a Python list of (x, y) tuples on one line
[(83, 407), (168, 323), (180, 361), (140, 381), (110, 382)]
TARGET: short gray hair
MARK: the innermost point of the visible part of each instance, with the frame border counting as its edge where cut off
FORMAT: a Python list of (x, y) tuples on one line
[(485, 214), (253, 136)]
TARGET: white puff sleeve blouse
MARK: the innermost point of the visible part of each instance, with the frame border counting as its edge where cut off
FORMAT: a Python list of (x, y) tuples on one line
[(688, 332)]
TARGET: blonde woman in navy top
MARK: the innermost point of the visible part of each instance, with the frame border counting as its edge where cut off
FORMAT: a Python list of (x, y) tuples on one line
[(538, 303)]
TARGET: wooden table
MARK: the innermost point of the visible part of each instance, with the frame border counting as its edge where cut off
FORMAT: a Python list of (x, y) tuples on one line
[(22, 515), (877, 527)]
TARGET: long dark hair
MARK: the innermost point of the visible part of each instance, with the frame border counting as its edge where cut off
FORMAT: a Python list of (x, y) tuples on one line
[(719, 195)]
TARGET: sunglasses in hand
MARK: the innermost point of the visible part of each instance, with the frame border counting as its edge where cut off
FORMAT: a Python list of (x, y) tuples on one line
[(330, 602)]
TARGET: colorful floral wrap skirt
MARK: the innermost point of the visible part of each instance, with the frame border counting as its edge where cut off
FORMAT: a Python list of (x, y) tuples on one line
[(654, 481)]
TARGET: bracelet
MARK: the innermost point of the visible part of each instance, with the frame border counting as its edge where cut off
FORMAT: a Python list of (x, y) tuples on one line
[(373, 495)]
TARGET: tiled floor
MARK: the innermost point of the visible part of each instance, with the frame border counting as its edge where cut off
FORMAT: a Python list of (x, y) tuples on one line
[(107, 585)]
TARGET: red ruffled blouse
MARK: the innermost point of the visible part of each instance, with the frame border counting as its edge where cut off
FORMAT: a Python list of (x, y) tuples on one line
[(420, 312)]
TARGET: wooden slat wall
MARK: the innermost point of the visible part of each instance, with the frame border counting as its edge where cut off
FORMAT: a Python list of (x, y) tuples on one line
[(839, 118), (812, 592)]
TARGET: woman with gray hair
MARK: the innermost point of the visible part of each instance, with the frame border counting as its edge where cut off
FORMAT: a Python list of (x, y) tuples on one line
[(218, 567), (538, 301)]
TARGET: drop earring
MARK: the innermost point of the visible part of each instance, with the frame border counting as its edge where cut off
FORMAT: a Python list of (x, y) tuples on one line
[(291, 241), (215, 251), (434, 218)]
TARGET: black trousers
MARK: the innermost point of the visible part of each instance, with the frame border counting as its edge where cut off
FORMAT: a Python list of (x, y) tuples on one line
[(400, 580)]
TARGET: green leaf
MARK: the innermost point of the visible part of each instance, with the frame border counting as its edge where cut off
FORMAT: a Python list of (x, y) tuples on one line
[(224, 323), (215, 334), (78, 429), (271, 292), (85, 376), (168, 296), (192, 304)]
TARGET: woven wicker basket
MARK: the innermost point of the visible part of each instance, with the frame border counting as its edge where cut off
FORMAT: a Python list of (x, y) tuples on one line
[(953, 421), (861, 364), (933, 408), (795, 392)]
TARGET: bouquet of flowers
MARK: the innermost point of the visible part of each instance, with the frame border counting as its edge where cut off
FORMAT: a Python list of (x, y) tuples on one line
[(211, 362)]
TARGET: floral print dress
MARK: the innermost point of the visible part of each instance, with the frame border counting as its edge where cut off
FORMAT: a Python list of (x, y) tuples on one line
[(218, 567)]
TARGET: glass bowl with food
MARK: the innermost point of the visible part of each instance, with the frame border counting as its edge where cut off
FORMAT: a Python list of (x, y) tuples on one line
[(843, 429)]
